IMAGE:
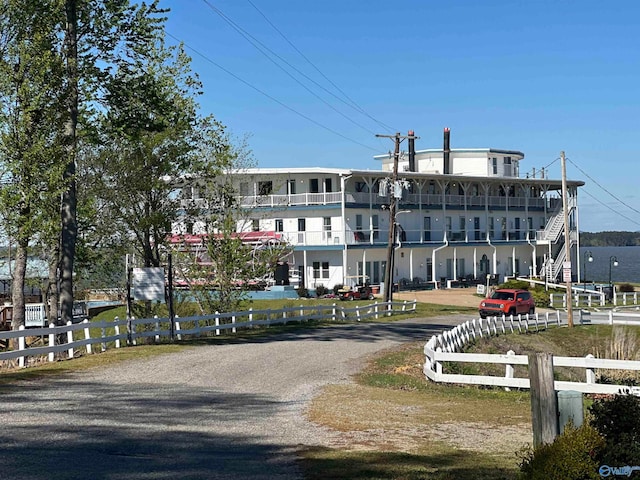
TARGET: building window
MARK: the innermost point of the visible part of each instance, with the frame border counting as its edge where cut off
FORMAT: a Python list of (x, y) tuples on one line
[(375, 226), (328, 186), (494, 165), (326, 227), (358, 222), (255, 225), (320, 270), (279, 225), (427, 229), (265, 188), (313, 186), (244, 189), (507, 166), (291, 187)]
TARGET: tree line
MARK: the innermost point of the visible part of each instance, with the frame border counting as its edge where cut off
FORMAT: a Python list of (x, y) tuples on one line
[(99, 119), (610, 239)]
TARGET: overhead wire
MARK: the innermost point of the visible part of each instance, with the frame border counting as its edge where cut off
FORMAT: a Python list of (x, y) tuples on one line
[(353, 103), (609, 207), (603, 188), (270, 97), (261, 48)]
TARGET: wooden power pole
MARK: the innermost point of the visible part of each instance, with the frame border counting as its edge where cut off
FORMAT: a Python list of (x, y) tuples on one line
[(388, 270), (566, 268)]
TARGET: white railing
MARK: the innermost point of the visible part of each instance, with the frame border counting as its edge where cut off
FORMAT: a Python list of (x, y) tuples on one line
[(128, 331), (445, 348), (626, 299)]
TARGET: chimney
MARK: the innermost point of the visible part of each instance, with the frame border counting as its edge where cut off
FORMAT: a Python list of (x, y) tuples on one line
[(412, 152), (446, 153)]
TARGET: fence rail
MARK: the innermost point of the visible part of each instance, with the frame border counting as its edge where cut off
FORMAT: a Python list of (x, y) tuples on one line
[(594, 299), (129, 331), (446, 348)]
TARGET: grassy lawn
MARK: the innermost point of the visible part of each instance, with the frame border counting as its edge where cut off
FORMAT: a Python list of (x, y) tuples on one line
[(394, 424)]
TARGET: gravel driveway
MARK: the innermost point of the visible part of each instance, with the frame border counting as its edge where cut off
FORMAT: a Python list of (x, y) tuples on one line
[(211, 412)]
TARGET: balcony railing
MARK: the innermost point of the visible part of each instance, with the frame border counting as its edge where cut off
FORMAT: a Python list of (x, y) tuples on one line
[(426, 200), (380, 237)]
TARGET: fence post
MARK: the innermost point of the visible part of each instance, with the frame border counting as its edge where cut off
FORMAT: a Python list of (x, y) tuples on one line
[(334, 316), (544, 403), (438, 364), (117, 329), (21, 346), (591, 374), (375, 309), (52, 342), (70, 339), (251, 317), (178, 328), (87, 335), (509, 368), (103, 344), (217, 324), (610, 317), (157, 325)]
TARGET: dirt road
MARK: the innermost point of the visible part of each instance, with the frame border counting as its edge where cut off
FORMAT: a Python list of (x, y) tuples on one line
[(211, 412)]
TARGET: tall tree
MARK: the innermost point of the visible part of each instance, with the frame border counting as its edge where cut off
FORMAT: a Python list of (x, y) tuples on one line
[(30, 120)]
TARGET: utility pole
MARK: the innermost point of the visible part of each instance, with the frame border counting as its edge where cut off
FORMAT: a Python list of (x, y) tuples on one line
[(388, 271), (566, 268)]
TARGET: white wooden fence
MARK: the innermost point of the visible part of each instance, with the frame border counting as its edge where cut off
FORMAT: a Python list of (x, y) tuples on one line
[(123, 331), (445, 348), (621, 299)]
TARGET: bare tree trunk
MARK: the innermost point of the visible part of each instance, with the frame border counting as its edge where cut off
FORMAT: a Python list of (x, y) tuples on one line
[(52, 288), (69, 199), (17, 285)]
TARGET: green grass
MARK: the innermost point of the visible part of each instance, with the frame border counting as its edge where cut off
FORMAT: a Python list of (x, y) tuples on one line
[(393, 382)]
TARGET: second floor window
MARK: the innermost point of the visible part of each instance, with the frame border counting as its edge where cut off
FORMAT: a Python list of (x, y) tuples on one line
[(494, 165), (314, 186), (279, 225), (291, 187), (265, 188)]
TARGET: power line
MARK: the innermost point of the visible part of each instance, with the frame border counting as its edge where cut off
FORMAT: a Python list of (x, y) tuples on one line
[(358, 107), (610, 208), (282, 104), (258, 45), (603, 188)]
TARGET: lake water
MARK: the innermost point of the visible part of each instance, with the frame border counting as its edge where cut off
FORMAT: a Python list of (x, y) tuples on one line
[(628, 269)]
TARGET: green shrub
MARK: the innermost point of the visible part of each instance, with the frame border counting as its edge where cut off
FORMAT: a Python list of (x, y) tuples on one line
[(336, 288), (626, 288), (321, 290), (302, 292), (618, 421), (574, 455), (541, 297), (516, 284)]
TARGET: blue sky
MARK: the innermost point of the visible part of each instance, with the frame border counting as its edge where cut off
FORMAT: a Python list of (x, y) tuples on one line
[(535, 76)]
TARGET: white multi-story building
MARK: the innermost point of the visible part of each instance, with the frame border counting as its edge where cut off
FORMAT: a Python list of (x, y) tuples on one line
[(459, 218)]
